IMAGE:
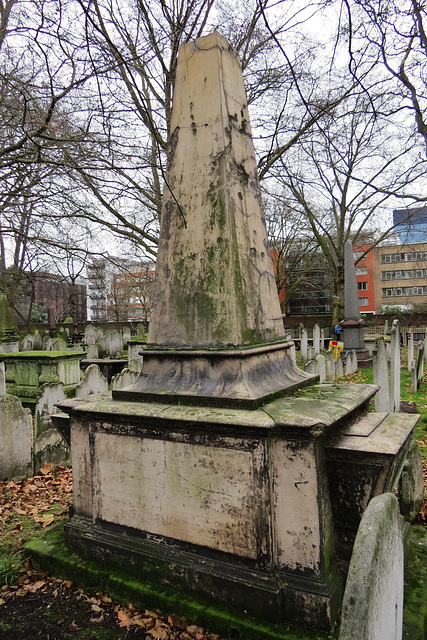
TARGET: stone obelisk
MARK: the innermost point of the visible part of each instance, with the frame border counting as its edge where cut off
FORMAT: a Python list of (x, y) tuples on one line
[(216, 330), (353, 323)]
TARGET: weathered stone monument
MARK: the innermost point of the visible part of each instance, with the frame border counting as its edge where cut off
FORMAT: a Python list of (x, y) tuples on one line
[(208, 474), (353, 323)]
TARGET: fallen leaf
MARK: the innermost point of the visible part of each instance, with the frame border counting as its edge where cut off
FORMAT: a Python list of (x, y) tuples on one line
[(96, 608), (67, 583), (46, 468), (124, 619)]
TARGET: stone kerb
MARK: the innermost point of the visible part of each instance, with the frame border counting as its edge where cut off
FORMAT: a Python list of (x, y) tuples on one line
[(16, 433), (92, 382), (373, 600)]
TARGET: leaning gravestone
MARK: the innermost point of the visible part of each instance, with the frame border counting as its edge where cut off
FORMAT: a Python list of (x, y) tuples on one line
[(373, 599), (316, 339)]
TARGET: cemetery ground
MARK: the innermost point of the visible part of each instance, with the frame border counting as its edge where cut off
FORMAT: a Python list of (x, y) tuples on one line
[(36, 605)]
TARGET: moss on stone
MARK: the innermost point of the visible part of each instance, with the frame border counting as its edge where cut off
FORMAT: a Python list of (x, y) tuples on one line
[(51, 555)]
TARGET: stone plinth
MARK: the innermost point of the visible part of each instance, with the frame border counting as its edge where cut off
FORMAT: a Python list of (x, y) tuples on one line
[(26, 372), (245, 377), (230, 504)]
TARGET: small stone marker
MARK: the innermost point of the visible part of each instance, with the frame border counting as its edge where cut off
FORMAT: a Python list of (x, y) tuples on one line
[(373, 599)]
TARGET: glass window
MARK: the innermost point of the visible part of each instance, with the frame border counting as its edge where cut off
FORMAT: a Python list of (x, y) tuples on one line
[(362, 286)]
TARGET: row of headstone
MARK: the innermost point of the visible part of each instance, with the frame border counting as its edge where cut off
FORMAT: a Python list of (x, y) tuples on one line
[(328, 369), (311, 351), (26, 447)]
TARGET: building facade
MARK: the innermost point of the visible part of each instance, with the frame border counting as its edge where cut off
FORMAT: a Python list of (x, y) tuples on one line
[(400, 276)]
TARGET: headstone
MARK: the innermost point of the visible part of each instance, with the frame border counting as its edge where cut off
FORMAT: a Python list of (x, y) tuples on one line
[(116, 344), (135, 364), (45, 340), (90, 334), (123, 379), (2, 379), (126, 334), (348, 363), (386, 327), (141, 331), (411, 485), (395, 367), (382, 398), (411, 349), (28, 343), (93, 352), (16, 434), (92, 382), (339, 368), (321, 364), (310, 352), (38, 342), (330, 367), (311, 367), (353, 323), (425, 344), (414, 378), (48, 444), (373, 599), (324, 337), (59, 344), (316, 340), (420, 363), (49, 344), (304, 345)]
